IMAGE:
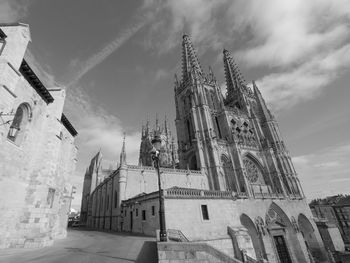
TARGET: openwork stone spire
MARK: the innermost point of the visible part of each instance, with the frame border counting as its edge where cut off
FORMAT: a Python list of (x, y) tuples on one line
[(234, 79), (190, 61), (123, 153)]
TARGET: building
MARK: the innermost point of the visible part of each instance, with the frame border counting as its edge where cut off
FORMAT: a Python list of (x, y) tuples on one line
[(168, 151), (342, 212), (37, 151), (235, 191), (335, 210)]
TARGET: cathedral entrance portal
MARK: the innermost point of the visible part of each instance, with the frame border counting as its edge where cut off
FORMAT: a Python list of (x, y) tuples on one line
[(282, 249)]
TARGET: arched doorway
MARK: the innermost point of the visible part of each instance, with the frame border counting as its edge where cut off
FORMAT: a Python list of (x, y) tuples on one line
[(257, 241), (284, 236), (308, 232)]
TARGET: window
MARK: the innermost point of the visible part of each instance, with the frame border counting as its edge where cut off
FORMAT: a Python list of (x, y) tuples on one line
[(153, 210), (137, 212), (205, 213), (115, 199), (143, 215), (107, 202), (50, 197), (218, 127), (189, 131), (19, 123)]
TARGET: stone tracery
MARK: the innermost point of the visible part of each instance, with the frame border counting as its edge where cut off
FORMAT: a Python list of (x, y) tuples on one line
[(254, 173)]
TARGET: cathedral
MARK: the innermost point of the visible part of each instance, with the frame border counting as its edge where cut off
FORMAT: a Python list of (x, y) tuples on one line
[(229, 185)]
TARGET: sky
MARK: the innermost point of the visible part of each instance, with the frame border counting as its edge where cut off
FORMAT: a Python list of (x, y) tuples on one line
[(117, 61)]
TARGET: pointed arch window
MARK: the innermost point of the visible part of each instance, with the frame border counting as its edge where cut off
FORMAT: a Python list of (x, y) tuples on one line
[(19, 123), (229, 174), (254, 172)]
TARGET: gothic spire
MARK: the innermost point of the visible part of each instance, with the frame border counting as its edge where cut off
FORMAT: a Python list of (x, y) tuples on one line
[(190, 62), (147, 127), (166, 128), (234, 79), (123, 153), (157, 129), (261, 103)]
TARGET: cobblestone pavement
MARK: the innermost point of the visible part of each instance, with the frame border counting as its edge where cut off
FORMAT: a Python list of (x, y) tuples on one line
[(88, 247)]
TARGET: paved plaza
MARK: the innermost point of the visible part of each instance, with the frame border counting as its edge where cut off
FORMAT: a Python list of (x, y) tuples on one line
[(88, 247)]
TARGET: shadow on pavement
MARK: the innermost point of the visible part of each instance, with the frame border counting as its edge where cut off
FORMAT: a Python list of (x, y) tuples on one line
[(148, 253)]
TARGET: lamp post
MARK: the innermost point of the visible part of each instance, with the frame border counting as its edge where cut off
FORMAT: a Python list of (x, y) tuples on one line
[(156, 142)]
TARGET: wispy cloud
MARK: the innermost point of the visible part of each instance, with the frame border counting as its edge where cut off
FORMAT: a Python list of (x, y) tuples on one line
[(13, 10), (324, 172), (304, 43), (98, 130), (80, 68)]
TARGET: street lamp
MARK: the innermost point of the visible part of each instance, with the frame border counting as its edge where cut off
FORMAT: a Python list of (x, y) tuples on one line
[(156, 142)]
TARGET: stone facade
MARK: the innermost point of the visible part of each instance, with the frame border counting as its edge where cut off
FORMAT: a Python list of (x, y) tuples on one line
[(336, 211), (37, 150), (237, 190), (168, 151)]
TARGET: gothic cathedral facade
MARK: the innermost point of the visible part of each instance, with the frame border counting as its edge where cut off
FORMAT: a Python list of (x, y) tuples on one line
[(229, 183), (235, 140)]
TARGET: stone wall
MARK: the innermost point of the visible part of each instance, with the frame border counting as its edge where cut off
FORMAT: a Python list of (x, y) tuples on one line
[(169, 252), (34, 172), (145, 180), (140, 179)]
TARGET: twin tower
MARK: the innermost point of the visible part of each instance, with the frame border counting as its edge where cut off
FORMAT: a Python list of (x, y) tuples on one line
[(234, 140)]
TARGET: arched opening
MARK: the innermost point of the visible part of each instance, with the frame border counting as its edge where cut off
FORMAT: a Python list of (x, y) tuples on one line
[(230, 181), (287, 246), (257, 241), (19, 123), (193, 163), (254, 170), (309, 236)]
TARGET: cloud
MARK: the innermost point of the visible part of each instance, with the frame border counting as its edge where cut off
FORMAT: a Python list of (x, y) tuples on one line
[(305, 44), (161, 74), (324, 172), (98, 130), (13, 10), (290, 31), (305, 81), (196, 17), (80, 68)]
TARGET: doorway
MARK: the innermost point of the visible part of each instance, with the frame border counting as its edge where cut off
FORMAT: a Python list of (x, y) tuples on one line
[(282, 249)]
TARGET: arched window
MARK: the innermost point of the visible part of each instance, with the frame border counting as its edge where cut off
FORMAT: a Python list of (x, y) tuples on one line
[(254, 172), (193, 163), (229, 175), (19, 123)]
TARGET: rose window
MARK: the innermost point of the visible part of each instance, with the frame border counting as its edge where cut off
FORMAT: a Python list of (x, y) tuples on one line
[(253, 171)]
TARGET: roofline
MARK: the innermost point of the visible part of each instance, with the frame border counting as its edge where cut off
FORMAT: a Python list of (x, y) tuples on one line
[(2, 34), (35, 82), (68, 125), (14, 24)]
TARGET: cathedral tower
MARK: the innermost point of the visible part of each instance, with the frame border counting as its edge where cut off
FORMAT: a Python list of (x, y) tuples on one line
[(198, 101), (168, 152), (234, 140)]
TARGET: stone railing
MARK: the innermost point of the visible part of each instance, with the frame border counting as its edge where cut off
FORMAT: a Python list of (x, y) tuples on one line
[(165, 170), (191, 252), (198, 194), (176, 235)]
